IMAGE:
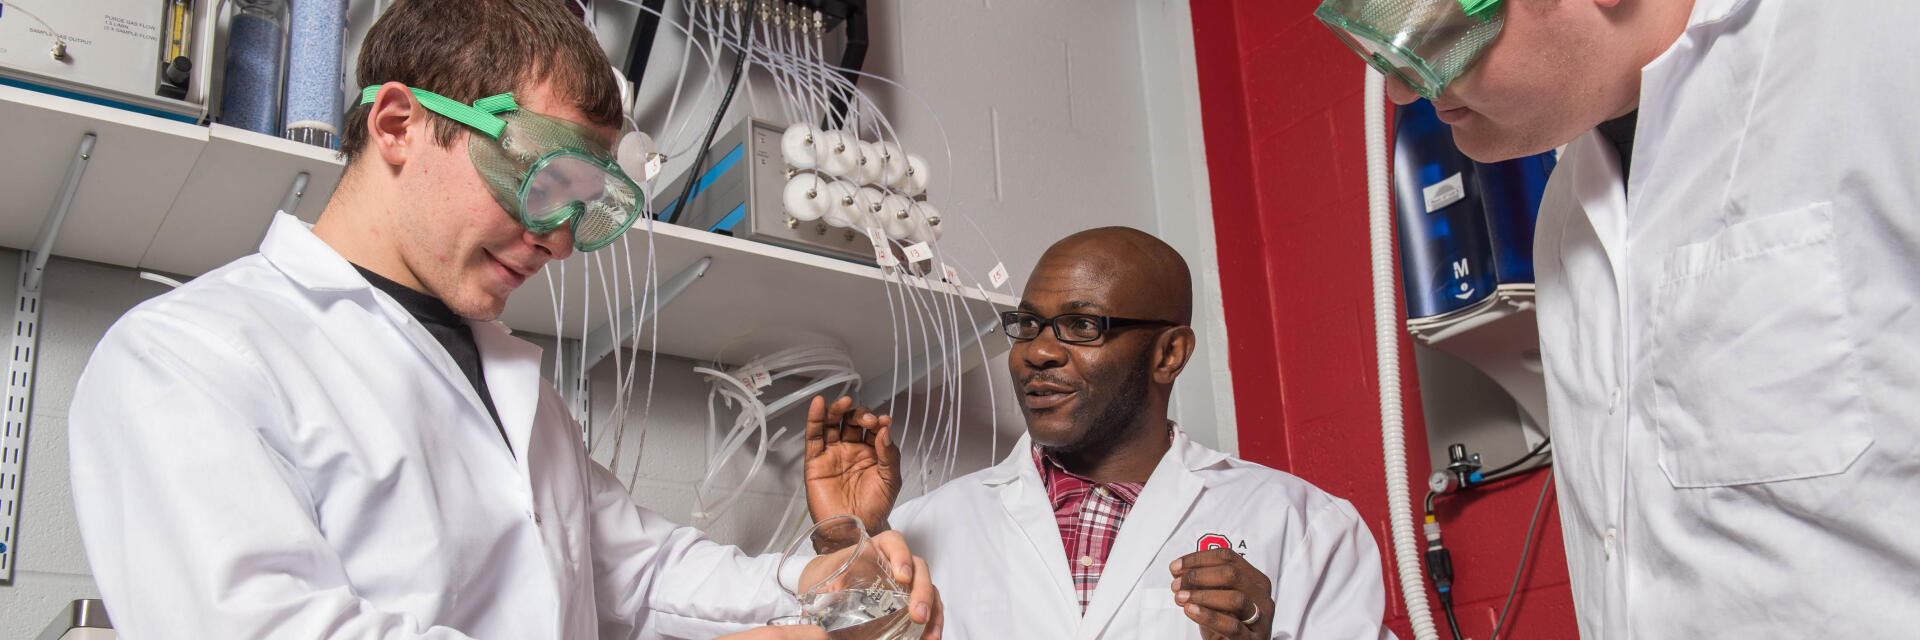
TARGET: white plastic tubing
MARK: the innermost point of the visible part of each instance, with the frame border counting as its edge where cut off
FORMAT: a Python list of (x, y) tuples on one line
[(1386, 347)]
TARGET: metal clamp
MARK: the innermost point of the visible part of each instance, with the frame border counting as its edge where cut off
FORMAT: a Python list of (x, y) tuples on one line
[(294, 193)]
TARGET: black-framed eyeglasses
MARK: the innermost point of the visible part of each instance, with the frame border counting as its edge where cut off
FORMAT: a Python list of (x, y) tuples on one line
[(1067, 327)]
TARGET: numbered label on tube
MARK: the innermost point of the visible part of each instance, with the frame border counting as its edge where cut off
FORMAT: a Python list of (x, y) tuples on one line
[(756, 379), (881, 254)]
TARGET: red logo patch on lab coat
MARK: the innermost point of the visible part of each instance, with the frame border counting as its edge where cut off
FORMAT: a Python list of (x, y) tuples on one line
[(1217, 541)]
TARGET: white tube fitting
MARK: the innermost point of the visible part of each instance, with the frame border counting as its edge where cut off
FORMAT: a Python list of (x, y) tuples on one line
[(870, 164), (896, 216), (893, 163), (839, 153), (805, 197), (797, 146), (843, 209)]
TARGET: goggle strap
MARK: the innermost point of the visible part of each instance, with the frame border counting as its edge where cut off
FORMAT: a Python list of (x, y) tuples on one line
[(1479, 8), (479, 116)]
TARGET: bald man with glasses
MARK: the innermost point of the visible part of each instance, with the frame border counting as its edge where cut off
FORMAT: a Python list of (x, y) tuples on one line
[(1106, 521)]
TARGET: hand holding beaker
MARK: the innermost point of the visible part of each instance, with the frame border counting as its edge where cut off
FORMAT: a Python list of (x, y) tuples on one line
[(855, 592)]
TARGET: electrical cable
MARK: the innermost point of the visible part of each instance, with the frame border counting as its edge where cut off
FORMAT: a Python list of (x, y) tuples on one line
[(57, 38), (700, 157), (1545, 486), (646, 26), (1487, 476), (1440, 570), (1453, 623)]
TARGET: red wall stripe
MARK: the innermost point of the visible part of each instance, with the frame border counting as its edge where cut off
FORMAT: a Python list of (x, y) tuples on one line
[(1281, 110)]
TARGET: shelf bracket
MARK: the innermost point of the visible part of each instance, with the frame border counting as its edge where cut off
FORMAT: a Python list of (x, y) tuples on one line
[(880, 389), (20, 365), (43, 245), (294, 192), (600, 342)]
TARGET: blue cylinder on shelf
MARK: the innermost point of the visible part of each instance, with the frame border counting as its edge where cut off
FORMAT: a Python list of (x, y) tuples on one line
[(316, 37), (1510, 192), (256, 51), (1445, 261)]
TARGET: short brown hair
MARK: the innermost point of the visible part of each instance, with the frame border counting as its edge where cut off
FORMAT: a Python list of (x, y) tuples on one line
[(471, 49)]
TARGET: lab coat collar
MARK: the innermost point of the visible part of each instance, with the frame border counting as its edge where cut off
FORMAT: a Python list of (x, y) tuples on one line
[(293, 249), (1163, 505), (1024, 496), (512, 371), (1010, 467), (1710, 11), (1191, 455), (511, 365), (1169, 494)]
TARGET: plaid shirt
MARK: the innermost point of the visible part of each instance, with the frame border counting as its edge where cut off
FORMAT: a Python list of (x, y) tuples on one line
[(1089, 514)]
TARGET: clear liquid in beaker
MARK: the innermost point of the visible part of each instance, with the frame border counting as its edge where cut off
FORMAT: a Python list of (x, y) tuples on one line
[(862, 614)]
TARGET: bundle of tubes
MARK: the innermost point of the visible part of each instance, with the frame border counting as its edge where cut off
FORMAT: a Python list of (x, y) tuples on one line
[(856, 174), (828, 369)]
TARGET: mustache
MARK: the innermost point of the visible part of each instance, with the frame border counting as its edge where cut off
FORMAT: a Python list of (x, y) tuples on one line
[(1049, 379)]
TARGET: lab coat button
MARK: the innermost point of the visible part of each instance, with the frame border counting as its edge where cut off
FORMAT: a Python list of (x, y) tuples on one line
[(1086, 561), (1608, 543), (535, 515), (1613, 401)]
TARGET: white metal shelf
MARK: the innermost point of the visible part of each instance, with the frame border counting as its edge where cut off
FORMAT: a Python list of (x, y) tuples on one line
[(754, 299), (225, 205), (1481, 382), (157, 194), (185, 199)]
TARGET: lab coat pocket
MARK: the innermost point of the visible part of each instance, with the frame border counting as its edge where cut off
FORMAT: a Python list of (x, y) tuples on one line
[(1154, 617), (1753, 378)]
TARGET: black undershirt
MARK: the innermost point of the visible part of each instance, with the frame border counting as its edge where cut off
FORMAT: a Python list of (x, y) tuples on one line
[(450, 330), (1619, 131)]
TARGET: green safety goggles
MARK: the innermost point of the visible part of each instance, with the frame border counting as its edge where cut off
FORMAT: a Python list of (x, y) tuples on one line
[(1425, 43), (546, 170)]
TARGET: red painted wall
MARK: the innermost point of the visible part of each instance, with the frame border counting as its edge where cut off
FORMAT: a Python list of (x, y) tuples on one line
[(1281, 108)]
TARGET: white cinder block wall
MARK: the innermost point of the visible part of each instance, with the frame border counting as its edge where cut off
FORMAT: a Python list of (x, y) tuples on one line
[(1062, 115)]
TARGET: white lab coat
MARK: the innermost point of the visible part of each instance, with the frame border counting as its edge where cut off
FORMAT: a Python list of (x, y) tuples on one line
[(994, 547), (277, 449), (1732, 346)]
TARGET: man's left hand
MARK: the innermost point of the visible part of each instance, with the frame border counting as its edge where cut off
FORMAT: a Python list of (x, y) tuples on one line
[(1218, 589)]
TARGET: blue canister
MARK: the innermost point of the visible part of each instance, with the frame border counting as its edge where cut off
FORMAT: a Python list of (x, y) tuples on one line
[(1446, 263), (256, 54)]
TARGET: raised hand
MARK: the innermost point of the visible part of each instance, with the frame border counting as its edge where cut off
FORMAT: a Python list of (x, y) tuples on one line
[(852, 465)]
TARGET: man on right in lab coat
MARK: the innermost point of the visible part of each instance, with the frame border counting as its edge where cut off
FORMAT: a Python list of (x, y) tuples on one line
[(1727, 263), (1106, 521)]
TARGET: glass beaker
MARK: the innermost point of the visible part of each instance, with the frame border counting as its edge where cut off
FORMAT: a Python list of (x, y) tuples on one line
[(791, 621), (850, 591)]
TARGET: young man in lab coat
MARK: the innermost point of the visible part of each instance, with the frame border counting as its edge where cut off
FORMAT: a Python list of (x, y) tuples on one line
[(1106, 521), (331, 439), (1728, 259)]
